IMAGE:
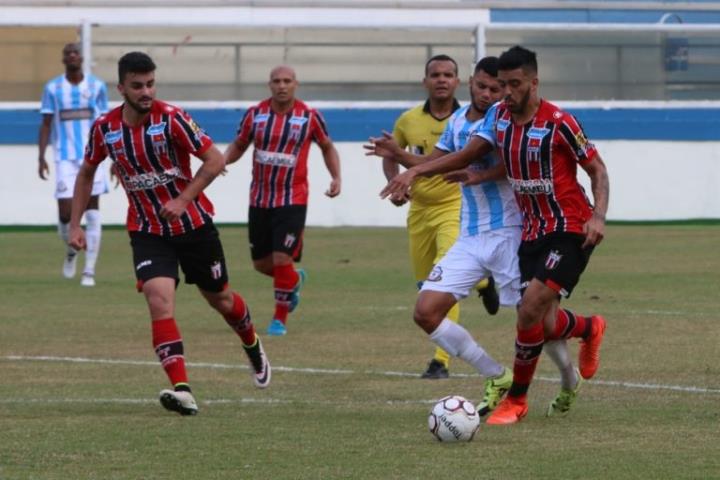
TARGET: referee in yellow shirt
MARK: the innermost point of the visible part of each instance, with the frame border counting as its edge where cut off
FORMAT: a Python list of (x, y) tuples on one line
[(433, 220)]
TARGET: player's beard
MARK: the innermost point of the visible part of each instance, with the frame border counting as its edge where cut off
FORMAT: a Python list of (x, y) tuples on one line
[(519, 107), (137, 107)]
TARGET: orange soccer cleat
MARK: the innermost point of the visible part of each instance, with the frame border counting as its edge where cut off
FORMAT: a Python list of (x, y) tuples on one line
[(590, 348), (509, 411)]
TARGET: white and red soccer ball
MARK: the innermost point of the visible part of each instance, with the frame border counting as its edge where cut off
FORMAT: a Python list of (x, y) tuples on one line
[(454, 419)]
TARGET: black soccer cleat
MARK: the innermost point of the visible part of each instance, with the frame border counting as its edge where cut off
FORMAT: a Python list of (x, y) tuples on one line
[(489, 296), (435, 371)]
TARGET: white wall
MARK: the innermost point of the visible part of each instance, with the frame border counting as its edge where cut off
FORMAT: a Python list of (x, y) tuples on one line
[(648, 181)]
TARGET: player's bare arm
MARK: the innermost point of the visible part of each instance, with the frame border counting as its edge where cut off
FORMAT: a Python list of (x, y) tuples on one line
[(467, 176), (332, 163), (388, 148), (594, 228), (43, 140), (213, 164), (235, 150), (399, 187), (81, 195)]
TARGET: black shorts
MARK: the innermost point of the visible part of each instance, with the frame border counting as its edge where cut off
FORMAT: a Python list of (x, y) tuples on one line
[(276, 230), (557, 260), (199, 253)]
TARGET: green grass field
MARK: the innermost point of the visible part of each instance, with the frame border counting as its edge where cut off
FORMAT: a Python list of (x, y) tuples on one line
[(79, 380)]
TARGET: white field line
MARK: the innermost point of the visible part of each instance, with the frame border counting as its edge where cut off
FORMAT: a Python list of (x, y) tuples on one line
[(216, 401), (323, 371)]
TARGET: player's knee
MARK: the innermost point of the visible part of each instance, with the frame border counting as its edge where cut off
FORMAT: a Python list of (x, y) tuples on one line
[(160, 306), (263, 266), (426, 317), (528, 314), (220, 301)]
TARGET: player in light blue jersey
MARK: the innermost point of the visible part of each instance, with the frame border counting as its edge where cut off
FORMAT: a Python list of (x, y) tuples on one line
[(70, 104), (489, 238)]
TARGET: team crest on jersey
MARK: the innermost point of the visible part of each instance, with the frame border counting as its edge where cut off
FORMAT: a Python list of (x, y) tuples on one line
[(156, 129), (216, 270), (159, 147), (502, 125), (553, 260), (289, 240), (435, 274), (113, 136)]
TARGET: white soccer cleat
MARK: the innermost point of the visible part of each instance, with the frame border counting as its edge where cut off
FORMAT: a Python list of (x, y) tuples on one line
[(87, 280), (69, 264), (259, 364), (180, 402)]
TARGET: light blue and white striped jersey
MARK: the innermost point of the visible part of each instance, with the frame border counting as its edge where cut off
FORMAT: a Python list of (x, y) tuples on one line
[(488, 205), (74, 109)]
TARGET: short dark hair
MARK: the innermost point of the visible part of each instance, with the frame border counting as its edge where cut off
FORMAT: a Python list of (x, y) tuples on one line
[(134, 62), (440, 58), (488, 65), (518, 57)]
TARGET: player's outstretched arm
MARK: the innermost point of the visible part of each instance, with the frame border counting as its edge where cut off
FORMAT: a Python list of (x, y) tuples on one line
[(399, 187), (600, 184), (81, 195), (332, 163), (387, 147), (467, 176), (213, 164)]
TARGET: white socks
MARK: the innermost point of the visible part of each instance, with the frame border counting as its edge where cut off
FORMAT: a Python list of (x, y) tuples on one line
[(458, 342), (64, 232), (93, 234), (558, 353)]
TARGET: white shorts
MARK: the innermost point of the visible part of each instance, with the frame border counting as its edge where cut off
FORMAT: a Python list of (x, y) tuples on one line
[(473, 258), (66, 172)]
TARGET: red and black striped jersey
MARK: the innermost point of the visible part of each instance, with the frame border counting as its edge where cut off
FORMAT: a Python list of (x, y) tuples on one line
[(153, 163), (282, 143), (541, 158)]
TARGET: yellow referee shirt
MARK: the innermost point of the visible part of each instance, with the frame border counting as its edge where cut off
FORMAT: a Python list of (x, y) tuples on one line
[(419, 130)]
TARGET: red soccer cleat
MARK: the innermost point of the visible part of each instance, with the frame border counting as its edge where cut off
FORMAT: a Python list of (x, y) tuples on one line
[(510, 410), (590, 348)]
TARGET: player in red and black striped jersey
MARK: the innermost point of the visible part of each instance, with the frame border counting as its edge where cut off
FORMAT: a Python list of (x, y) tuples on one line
[(281, 129), (169, 218), (541, 147)]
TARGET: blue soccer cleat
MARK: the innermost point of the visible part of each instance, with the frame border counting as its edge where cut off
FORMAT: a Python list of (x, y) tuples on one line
[(295, 295), (276, 328)]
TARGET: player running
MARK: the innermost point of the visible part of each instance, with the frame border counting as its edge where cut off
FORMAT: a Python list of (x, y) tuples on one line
[(169, 218), (281, 128)]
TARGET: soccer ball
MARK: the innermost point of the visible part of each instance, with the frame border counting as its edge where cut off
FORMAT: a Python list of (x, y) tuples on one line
[(454, 419)]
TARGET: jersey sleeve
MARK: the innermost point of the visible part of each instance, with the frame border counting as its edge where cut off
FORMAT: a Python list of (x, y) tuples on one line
[(573, 137), (188, 134), (96, 149), (319, 128), (102, 98), (399, 132), (245, 131), (47, 104), (486, 130), (446, 142)]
